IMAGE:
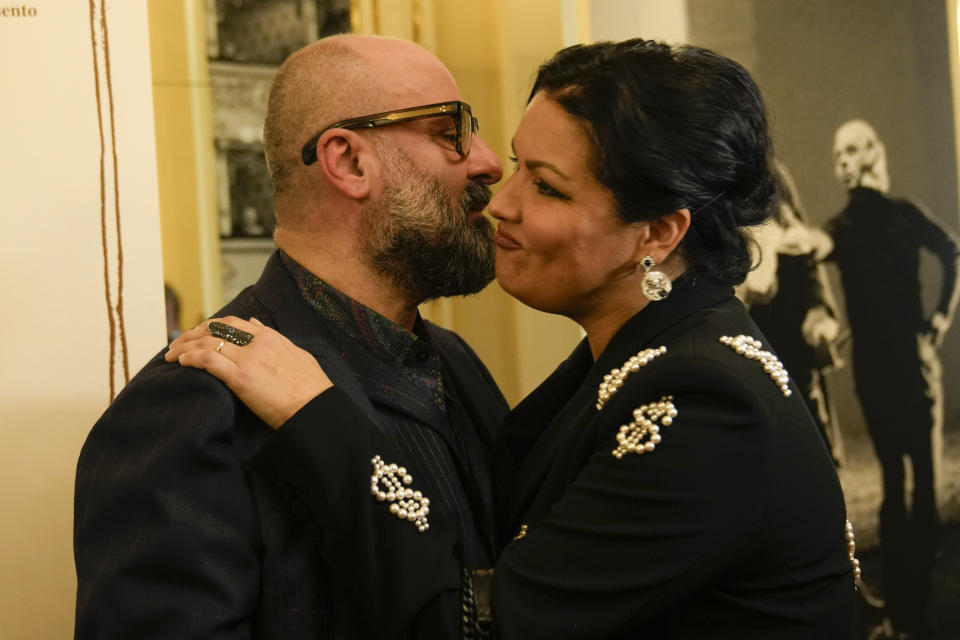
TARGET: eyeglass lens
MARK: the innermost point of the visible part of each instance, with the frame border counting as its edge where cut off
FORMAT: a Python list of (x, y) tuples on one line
[(467, 127)]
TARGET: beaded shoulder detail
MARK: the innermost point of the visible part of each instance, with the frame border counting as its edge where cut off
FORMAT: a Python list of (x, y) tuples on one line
[(750, 348), (851, 552), (615, 379)]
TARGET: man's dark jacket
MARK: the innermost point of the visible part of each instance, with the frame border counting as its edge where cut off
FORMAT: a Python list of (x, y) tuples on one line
[(178, 536)]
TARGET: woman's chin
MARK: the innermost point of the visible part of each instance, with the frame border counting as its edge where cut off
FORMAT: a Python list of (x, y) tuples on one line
[(507, 275), (531, 296)]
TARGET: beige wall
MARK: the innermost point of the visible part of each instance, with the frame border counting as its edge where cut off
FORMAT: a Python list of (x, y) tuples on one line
[(652, 19), (185, 158), (55, 376)]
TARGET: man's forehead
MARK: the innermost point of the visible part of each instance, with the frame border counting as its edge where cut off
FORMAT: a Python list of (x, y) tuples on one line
[(407, 86), (857, 131), (850, 136)]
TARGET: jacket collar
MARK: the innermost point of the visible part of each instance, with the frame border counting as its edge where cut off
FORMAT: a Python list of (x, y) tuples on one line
[(690, 293), (292, 316), (566, 400), (366, 376)]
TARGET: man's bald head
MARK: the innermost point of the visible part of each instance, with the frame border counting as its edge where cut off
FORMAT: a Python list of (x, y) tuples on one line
[(342, 77), (859, 157)]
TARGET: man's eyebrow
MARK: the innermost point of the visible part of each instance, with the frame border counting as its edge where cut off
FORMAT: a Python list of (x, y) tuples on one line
[(535, 164)]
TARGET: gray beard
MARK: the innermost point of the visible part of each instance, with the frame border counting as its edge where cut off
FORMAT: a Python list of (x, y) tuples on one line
[(423, 245)]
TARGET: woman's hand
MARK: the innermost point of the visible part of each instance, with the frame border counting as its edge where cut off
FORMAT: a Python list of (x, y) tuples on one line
[(271, 375)]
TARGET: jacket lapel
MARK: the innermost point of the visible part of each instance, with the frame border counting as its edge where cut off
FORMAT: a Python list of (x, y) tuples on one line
[(528, 433), (565, 403), (384, 386), (292, 316), (361, 376), (483, 403)]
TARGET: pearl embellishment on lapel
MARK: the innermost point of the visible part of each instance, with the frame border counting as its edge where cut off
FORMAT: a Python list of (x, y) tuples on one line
[(643, 434), (405, 503), (851, 551)]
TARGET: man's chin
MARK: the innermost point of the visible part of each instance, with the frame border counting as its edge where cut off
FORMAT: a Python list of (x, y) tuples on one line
[(478, 285)]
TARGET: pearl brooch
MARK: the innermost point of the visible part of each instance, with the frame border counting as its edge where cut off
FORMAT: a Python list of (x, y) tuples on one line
[(614, 380), (390, 483), (750, 348), (631, 437), (851, 550), (522, 533)]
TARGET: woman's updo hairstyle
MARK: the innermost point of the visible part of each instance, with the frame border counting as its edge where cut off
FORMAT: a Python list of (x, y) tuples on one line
[(673, 127)]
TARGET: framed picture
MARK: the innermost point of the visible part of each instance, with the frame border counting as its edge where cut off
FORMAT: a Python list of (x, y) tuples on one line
[(246, 41), (267, 31), (250, 193), (859, 98)]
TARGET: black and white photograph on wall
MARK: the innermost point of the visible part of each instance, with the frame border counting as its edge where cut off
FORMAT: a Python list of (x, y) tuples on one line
[(267, 31), (876, 233), (857, 286), (247, 40), (251, 196), (791, 300)]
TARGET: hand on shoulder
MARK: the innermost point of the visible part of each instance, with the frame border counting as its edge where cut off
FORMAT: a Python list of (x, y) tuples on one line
[(271, 375)]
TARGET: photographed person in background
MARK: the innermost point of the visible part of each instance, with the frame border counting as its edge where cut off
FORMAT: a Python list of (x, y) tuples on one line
[(176, 535), (667, 479), (877, 244), (790, 299)]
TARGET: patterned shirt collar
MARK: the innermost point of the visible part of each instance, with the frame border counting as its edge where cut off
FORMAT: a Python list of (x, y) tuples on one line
[(383, 337)]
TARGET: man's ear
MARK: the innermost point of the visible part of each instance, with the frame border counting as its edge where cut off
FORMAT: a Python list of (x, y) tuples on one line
[(346, 160), (663, 235)]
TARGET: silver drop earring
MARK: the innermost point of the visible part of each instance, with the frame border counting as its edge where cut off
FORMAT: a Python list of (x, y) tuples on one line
[(656, 285)]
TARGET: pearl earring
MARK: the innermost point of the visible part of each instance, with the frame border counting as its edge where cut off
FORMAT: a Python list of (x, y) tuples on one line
[(656, 284)]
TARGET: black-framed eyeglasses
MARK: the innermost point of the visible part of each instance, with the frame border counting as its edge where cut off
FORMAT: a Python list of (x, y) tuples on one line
[(466, 125)]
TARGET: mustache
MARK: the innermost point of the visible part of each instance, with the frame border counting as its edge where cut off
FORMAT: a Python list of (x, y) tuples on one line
[(476, 196)]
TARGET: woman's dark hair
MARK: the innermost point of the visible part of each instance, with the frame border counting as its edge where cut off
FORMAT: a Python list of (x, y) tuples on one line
[(673, 127)]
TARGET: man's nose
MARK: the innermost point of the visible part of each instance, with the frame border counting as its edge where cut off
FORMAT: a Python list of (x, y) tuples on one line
[(482, 163)]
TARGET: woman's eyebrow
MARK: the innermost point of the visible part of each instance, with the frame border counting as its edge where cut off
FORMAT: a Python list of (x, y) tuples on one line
[(534, 164)]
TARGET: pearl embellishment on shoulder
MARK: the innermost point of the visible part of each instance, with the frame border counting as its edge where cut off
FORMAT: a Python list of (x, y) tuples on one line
[(614, 380), (749, 348), (642, 435)]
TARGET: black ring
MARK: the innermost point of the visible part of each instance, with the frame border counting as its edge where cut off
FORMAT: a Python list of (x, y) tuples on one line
[(230, 334)]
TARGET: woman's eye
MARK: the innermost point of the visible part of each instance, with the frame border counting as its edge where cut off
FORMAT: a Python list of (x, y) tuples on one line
[(546, 190), (516, 163)]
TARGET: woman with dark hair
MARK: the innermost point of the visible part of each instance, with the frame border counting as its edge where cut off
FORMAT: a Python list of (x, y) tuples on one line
[(666, 480)]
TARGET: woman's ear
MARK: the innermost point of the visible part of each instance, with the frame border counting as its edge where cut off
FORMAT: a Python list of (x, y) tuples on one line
[(663, 235), (346, 161)]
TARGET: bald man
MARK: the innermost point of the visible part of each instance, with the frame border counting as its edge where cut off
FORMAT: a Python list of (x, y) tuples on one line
[(878, 243), (379, 181)]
